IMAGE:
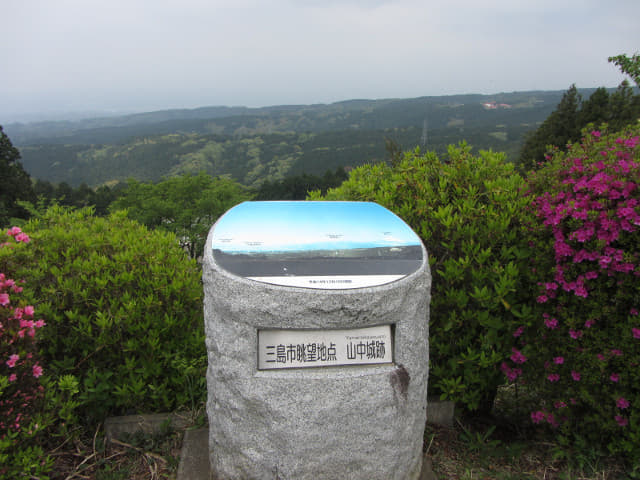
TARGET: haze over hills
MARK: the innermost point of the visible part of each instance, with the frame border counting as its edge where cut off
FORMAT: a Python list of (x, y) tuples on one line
[(268, 143), (384, 113)]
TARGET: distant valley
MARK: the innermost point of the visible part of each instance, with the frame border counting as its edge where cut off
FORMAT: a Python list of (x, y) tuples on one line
[(252, 145)]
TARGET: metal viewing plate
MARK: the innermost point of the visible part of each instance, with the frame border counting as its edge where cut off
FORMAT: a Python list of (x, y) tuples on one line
[(324, 348), (322, 245)]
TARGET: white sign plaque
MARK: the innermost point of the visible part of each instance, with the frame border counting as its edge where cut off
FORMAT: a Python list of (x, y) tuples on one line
[(291, 348)]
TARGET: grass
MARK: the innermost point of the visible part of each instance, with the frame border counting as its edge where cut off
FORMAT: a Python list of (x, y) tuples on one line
[(496, 447), (455, 456), (151, 457), (137, 456), (503, 446)]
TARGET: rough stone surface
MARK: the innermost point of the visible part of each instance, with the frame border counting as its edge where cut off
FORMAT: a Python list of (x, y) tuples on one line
[(440, 412), (356, 422), (427, 469), (116, 427), (194, 458)]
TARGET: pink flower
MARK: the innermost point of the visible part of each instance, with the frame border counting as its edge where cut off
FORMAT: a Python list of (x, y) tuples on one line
[(614, 377), (517, 356), (37, 370), (14, 231), (542, 299), (28, 311), (510, 373), (558, 360), (26, 323), (518, 331), (553, 377), (633, 311), (551, 419), (39, 324), (13, 377), (583, 234), (596, 133), (626, 212), (559, 405), (583, 255), (12, 360), (575, 375), (589, 323), (622, 403), (575, 334), (562, 249), (615, 352), (622, 421), (22, 237), (538, 416), (591, 275), (636, 333), (632, 142), (580, 291), (551, 323), (4, 299), (604, 261)]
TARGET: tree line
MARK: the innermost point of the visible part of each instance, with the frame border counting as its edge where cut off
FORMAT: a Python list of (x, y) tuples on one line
[(20, 195), (572, 114), (186, 205)]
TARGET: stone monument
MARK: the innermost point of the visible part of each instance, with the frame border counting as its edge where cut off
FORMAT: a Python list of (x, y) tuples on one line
[(316, 321)]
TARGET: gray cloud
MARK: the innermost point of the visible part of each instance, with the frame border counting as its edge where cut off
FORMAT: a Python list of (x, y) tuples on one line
[(142, 54)]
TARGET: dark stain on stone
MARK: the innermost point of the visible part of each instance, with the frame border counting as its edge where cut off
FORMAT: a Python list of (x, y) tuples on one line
[(400, 379)]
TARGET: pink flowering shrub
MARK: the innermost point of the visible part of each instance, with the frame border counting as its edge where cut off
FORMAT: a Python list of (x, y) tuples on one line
[(20, 372), (582, 352)]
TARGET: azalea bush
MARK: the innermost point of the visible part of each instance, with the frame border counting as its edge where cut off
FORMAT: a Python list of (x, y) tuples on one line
[(581, 352), (21, 392), (466, 209), (123, 307)]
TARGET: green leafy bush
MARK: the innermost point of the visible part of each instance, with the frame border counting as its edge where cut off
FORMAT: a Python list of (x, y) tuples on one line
[(466, 209), (124, 313), (581, 352)]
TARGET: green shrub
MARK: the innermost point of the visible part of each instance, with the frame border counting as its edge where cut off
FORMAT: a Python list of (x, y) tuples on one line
[(466, 210), (186, 205), (582, 352), (123, 307)]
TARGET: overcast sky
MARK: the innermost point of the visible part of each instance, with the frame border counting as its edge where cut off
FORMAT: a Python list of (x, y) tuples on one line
[(140, 55)]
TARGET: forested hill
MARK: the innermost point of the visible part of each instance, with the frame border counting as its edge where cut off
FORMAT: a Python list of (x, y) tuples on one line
[(269, 143), (350, 114)]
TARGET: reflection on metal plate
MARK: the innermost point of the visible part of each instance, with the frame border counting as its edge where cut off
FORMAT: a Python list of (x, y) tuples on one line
[(323, 245)]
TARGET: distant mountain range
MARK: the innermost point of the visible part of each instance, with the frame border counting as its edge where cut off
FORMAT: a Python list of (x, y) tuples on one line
[(256, 144)]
